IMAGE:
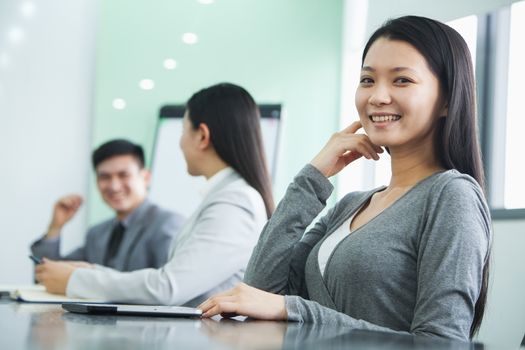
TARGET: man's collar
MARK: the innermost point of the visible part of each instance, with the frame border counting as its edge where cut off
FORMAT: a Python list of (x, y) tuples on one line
[(137, 212)]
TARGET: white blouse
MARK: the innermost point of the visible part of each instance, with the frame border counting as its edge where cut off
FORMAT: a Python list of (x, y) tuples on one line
[(331, 242), (208, 256)]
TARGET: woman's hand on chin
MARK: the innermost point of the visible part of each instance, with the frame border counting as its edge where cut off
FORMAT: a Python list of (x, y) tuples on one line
[(343, 148), (244, 300)]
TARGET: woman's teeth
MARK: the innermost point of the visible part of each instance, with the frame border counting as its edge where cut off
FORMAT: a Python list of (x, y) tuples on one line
[(384, 118)]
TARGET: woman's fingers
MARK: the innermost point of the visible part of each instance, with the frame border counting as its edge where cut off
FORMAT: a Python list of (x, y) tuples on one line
[(361, 144), (364, 150), (223, 307), (371, 150), (349, 157), (352, 128), (334, 156), (206, 305), (226, 295), (213, 301), (218, 305), (378, 149)]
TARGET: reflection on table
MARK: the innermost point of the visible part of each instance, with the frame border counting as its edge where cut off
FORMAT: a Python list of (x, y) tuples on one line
[(47, 326)]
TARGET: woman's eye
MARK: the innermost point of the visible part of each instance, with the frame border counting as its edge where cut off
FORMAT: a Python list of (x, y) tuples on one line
[(366, 80), (402, 81)]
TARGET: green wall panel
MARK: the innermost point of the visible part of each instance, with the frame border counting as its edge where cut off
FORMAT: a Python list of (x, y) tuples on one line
[(281, 51)]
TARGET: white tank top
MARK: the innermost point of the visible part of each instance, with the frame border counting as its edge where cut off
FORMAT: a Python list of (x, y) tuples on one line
[(329, 244)]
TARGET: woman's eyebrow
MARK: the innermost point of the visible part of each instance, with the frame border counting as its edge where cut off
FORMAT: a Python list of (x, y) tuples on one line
[(400, 69), (395, 69)]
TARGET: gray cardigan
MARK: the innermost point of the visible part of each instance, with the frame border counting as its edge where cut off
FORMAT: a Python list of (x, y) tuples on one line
[(416, 267)]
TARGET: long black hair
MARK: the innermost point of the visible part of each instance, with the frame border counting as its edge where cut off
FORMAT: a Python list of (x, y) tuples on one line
[(456, 138), (233, 119)]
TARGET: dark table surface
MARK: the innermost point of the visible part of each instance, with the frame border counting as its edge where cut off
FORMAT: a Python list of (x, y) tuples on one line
[(47, 326)]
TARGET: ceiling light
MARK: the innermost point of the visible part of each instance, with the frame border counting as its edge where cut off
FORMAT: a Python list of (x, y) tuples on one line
[(206, 2), (28, 9), (147, 84), (190, 38), (170, 64), (119, 103), (15, 35)]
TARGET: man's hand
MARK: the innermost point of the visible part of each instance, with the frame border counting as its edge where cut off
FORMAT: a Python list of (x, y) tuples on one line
[(54, 275), (82, 264), (65, 208)]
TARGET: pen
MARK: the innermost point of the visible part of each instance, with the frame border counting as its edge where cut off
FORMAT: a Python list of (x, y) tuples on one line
[(35, 259)]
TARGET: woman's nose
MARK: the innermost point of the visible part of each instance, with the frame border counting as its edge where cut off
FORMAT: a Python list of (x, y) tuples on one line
[(380, 95)]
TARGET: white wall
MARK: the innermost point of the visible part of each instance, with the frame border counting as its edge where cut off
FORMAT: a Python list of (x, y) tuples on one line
[(443, 10), (46, 82), (504, 323)]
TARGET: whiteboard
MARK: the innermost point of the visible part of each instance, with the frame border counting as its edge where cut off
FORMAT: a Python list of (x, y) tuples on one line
[(171, 186)]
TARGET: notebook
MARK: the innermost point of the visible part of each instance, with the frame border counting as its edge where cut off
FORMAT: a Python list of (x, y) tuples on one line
[(7, 289), (38, 294), (132, 310)]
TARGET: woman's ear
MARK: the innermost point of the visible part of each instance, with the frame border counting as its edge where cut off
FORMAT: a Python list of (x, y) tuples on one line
[(204, 136)]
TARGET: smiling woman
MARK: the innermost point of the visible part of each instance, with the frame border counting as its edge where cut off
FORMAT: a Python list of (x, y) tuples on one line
[(399, 99), (410, 257)]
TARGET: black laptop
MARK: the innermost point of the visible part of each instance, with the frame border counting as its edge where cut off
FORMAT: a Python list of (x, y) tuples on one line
[(132, 310)]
